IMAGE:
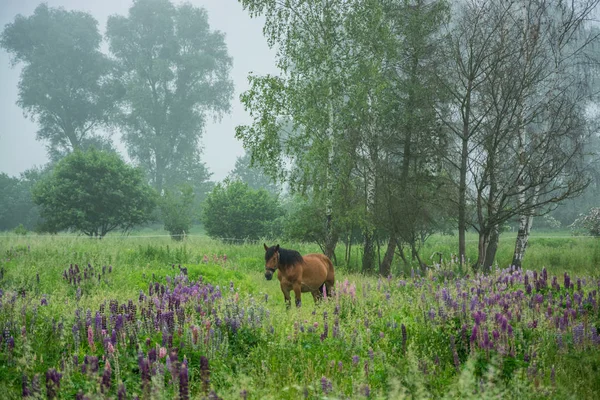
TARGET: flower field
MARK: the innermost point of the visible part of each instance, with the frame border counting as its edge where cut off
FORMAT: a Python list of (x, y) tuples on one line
[(124, 319)]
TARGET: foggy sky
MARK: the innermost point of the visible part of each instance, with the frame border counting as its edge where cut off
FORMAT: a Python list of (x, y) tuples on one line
[(19, 150)]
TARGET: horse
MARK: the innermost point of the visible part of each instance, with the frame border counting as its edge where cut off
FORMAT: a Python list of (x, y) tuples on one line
[(310, 273)]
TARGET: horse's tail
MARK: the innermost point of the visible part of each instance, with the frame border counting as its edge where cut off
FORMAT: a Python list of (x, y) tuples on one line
[(330, 280)]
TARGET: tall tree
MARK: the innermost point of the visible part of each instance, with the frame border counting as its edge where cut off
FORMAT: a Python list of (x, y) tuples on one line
[(311, 41), (519, 119), (175, 70), (64, 83), (252, 174)]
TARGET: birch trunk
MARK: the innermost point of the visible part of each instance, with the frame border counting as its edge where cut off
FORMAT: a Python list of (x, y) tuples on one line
[(330, 240)]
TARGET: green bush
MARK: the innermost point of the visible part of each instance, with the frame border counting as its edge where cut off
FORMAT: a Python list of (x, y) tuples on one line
[(235, 211)]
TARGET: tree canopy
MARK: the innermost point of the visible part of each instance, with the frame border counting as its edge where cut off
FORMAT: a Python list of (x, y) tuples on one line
[(64, 83), (235, 211), (94, 192), (175, 71)]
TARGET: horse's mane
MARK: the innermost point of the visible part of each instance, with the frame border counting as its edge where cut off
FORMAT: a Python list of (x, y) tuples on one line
[(286, 257)]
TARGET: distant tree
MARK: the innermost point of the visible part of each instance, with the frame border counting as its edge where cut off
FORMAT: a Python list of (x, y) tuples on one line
[(64, 83), (253, 175), (177, 210), (16, 202), (94, 192), (588, 223), (176, 73), (235, 211)]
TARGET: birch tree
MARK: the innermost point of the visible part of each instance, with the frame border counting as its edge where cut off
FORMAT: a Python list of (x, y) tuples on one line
[(310, 38)]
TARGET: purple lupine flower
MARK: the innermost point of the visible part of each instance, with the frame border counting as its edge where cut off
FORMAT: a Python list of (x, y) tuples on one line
[(183, 382), (121, 393), (52, 383), (25, 390), (10, 342), (366, 390), (355, 359), (326, 385), (152, 356), (474, 334), (567, 280), (243, 394), (105, 383), (454, 353), (431, 314), (205, 374), (578, 332)]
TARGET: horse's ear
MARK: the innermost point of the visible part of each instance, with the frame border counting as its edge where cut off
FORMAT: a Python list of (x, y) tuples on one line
[(277, 248), (266, 248)]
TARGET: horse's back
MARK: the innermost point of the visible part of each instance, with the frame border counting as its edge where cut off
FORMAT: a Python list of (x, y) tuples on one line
[(321, 262)]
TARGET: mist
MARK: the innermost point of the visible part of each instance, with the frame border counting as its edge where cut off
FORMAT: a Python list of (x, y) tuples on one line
[(19, 149)]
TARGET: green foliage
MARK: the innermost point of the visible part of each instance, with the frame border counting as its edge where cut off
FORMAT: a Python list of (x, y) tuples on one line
[(176, 72), (64, 83), (16, 203), (94, 192), (235, 211), (177, 211), (20, 230), (255, 339)]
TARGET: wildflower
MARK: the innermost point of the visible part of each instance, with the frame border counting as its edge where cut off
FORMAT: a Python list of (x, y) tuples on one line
[(25, 390), (366, 390), (162, 352), (52, 383), (326, 385), (183, 382), (105, 384), (578, 335), (90, 336), (355, 359), (204, 374), (121, 394)]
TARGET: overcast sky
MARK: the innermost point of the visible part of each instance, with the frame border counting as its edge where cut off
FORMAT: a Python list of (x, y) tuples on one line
[(18, 148)]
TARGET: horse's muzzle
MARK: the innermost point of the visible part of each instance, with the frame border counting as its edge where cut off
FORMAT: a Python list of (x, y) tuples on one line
[(269, 275)]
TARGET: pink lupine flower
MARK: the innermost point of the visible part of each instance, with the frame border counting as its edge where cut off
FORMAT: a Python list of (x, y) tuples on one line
[(162, 352), (90, 336)]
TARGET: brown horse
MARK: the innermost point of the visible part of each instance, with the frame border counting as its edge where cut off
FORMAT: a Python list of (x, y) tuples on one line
[(309, 273)]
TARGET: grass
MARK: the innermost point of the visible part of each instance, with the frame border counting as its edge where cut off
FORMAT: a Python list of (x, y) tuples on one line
[(376, 338)]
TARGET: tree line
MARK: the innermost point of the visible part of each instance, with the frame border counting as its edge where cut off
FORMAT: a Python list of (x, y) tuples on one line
[(389, 121), (166, 73), (406, 118)]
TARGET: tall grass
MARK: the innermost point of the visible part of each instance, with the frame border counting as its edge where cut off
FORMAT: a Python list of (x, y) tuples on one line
[(197, 319)]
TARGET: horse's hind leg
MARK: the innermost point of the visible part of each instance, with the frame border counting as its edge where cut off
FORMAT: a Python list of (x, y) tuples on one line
[(317, 296), (329, 287)]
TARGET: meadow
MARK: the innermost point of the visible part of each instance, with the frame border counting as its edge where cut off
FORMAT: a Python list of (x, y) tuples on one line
[(145, 317)]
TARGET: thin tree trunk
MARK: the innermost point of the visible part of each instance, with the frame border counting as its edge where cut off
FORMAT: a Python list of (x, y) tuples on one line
[(330, 240), (462, 186), (525, 223), (386, 265), (492, 247)]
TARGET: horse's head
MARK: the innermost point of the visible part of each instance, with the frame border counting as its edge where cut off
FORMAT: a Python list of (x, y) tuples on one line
[(271, 260)]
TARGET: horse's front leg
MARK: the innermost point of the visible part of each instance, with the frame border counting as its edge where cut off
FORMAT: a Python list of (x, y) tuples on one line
[(286, 295), (298, 294)]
